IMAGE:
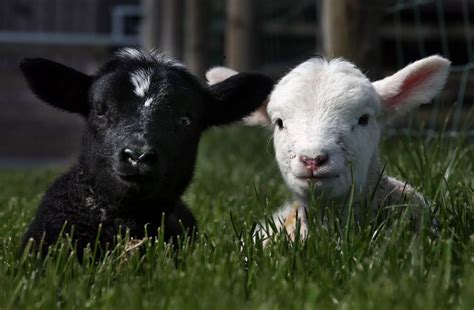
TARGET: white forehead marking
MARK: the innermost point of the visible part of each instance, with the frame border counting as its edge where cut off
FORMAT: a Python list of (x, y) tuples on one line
[(141, 81), (148, 102), (129, 52), (153, 56)]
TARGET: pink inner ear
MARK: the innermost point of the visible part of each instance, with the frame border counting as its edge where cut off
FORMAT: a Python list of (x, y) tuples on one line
[(409, 85)]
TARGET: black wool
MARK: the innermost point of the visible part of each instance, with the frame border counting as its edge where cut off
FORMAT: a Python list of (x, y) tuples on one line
[(144, 117)]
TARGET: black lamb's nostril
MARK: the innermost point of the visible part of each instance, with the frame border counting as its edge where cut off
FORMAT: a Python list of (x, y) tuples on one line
[(129, 154), (149, 157), (136, 156)]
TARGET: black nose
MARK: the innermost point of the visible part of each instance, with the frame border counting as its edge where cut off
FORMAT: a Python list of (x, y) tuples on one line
[(135, 156)]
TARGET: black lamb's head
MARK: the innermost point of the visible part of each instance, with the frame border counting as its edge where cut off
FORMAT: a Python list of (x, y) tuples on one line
[(145, 114)]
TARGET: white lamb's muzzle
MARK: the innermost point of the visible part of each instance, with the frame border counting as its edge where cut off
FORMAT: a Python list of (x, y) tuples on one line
[(331, 188), (332, 167), (332, 181)]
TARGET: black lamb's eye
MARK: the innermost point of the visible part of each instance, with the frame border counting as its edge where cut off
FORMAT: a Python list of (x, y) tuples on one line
[(364, 120), (101, 109), (185, 120), (279, 123)]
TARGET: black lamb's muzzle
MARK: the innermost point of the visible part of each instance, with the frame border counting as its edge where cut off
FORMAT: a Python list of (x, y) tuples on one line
[(136, 161)]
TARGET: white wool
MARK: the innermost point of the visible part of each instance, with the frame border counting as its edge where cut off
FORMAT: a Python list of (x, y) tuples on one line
[(129, 52), (153, 55), (292, 217), (320, 103), (141, 81), (164, 58), (148, 102), (218, 74)]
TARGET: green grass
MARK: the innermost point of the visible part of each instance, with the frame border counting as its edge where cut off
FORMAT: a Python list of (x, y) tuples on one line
[(236, 183)]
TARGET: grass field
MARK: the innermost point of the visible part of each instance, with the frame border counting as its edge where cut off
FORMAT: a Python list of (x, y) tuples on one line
[(236, 183)]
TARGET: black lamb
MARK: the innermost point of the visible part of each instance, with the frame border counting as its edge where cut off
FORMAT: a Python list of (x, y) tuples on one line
[(144, 117)]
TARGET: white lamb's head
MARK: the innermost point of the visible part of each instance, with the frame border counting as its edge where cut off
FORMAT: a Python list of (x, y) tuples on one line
[(327, 118)]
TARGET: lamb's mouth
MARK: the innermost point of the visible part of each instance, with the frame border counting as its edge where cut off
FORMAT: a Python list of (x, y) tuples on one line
[(136, 179), (319, 177)]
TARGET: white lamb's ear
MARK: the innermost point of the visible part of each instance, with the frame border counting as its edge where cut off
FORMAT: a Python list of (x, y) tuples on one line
[(415, 84), (259, 117), (219, 74)]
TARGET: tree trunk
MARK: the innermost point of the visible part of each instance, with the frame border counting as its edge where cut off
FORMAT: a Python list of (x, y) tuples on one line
[(350, 30), (151, 26), (195, 53), (172, 28), (242, 29)]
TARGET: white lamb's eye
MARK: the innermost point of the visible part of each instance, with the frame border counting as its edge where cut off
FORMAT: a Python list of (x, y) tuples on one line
[(185, 120), (364, 120), (279, 123)]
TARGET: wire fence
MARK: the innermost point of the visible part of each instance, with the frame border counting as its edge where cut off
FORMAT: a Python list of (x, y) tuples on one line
[(411, 29), (445, 28)]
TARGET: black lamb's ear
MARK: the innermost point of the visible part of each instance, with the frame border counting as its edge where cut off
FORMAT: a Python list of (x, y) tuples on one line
[(57, 84), (236, 97)]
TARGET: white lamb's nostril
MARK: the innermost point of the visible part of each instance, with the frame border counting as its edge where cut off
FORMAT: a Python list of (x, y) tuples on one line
[(321, 159), (314, 163)]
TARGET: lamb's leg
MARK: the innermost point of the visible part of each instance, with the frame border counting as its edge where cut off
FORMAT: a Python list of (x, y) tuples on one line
[(395, 191), (296, 219), (291, 218)]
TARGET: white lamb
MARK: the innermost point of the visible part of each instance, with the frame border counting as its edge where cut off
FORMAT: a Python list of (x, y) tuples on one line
[(327, 119)]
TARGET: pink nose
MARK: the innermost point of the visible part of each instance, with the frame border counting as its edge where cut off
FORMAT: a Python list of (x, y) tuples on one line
[(314, 164)]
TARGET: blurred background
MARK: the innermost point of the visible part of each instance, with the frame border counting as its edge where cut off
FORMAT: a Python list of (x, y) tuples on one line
[(267, 35)]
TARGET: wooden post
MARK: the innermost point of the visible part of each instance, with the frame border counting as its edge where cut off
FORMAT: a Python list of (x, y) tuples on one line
[(151, 26), (335, 28), (350, 30), (172, 28), (195, 44), (241, 34)]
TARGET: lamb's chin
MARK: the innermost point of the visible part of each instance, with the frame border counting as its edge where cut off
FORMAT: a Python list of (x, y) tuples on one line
[(131, 187), (330, 188)]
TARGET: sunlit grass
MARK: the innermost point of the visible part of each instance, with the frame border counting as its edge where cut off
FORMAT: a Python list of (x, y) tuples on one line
[(236, 184)]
